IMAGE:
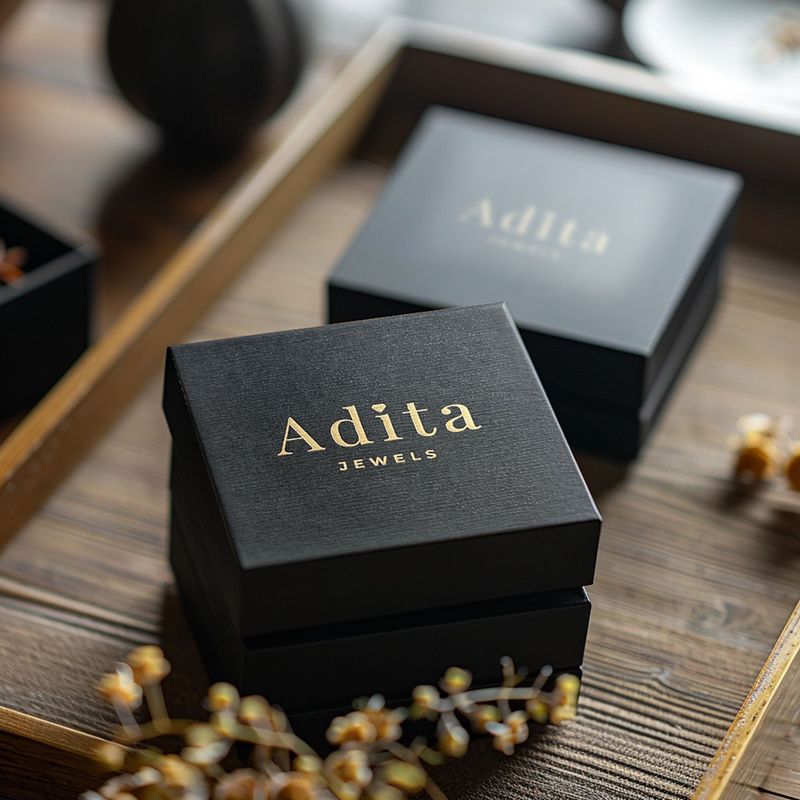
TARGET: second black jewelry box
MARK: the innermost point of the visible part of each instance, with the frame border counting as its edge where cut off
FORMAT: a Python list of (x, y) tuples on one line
[(394, 495), (609, 259)]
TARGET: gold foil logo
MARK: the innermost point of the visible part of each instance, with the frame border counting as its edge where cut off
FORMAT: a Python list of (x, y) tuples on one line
[(533, 230), (350, 431)]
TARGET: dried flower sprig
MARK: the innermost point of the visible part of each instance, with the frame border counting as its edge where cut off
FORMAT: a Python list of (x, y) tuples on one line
[(370, 760), (12, 259)]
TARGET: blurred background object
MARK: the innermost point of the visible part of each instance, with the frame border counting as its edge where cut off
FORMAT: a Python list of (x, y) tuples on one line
[(586, 24), (7, 8), (207, 73), (742, 54)]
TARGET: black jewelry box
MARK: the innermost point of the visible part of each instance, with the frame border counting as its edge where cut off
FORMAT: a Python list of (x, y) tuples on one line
[(45, 316), (608, 257), (451, 482), (327, 667)]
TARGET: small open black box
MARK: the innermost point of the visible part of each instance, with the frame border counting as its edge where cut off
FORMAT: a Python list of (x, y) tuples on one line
[(397, 486), (45, 316), (608, 257)]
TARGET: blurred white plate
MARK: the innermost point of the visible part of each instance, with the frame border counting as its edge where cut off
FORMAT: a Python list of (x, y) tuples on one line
[(585, 24), (726, 50)]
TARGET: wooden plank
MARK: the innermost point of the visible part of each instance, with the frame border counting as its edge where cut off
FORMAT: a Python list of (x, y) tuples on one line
[(768, 715), (784, 776), (31, 769)]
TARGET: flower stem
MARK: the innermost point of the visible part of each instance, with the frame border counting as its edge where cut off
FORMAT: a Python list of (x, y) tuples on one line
[(431, 787), (129, 724), (155, 703)]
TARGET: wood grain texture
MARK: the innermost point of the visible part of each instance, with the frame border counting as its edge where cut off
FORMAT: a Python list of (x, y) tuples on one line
[(769, 715), (32, 769), (784, 775), (694, 580)]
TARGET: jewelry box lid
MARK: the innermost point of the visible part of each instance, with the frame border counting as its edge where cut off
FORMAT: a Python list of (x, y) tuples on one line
[(377, 467), (598, 249)]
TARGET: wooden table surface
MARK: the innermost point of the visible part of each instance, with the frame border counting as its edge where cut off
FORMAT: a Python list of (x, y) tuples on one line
[(695, 580)]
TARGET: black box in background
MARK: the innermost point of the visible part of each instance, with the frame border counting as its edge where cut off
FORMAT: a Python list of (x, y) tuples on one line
[(609, 259)]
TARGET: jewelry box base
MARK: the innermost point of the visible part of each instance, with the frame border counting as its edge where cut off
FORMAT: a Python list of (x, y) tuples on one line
[(328, 667)]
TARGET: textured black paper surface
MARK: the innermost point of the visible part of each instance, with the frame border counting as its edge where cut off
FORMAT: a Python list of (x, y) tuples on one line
[(387, 655), (501, 510), (599, 322)]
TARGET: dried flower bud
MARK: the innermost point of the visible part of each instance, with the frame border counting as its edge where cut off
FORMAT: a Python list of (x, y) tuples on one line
[(456, 680), (387, 722), (568, 686), (559, 714), (792, 468), (409, 778), (204, 745), (146, 776), (756, 448), (296, 786), (119, 687), (349, 791), (565, 698), (482, 715), (757, 422), (308, 763), (241, 784), (222, 697), (756, 458), (177, 774), (350, 767), (512, 731), (224, 723), (128, 783), (110, 755), (538, 710), (426, 697), (453, 740), (254, 709), (278, 721), (207, 755), (199, 734), (355, 727), (148, 665)]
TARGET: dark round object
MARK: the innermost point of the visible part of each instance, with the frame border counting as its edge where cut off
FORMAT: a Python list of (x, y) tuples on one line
[(206, 72)]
